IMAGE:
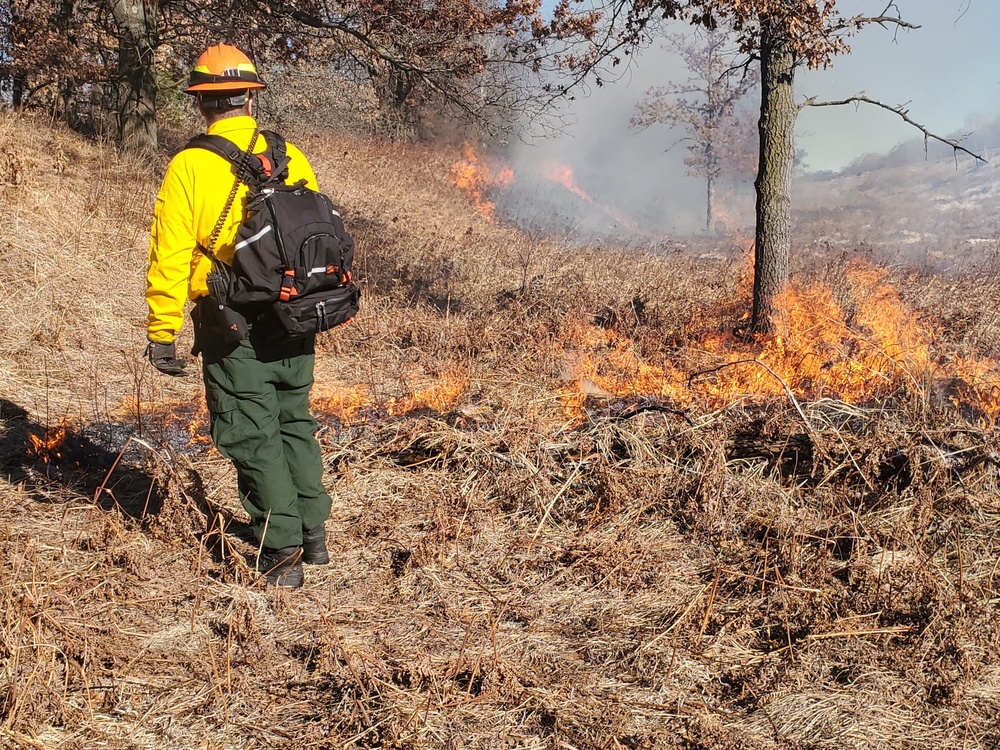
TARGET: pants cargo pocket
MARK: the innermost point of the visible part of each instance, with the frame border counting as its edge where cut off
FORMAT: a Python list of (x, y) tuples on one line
[(221, 410)]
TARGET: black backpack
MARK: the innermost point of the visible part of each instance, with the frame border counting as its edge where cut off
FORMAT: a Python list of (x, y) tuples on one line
[(291, 269)]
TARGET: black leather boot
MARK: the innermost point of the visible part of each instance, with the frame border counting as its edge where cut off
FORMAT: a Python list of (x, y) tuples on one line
[(282, 567), (314, 550)]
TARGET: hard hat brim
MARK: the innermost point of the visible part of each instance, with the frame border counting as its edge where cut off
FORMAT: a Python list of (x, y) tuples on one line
[(225, 86)]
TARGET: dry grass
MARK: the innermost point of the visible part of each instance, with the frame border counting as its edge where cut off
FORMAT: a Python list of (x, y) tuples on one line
[(506, 572)]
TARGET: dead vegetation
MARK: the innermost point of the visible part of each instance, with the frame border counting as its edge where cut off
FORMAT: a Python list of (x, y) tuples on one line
[(536, 542)]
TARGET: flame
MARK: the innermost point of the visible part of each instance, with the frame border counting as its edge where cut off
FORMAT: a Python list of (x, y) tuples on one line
[(817, 350), (343, 402), (49, 446), (563, 174), (197, 428), (179, 417), (349, 402), (732, 226), (439, 397), (619, 373), (858, 342), (979, 387), (477, 176)]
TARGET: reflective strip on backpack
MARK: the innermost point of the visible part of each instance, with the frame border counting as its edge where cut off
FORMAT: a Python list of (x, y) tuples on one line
[(320, 269), (251, 240)]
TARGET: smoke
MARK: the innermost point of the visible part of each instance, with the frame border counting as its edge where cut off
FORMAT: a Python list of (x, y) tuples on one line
[(641, 190), (636, 177)]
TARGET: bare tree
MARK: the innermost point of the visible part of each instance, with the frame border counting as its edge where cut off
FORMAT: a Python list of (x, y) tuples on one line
[(705, 106)]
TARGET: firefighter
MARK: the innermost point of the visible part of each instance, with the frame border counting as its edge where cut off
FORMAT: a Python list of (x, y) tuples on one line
[(257, 394)]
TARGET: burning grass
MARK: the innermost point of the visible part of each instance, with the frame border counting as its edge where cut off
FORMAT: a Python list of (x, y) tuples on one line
[(817, 351), (571, 508)]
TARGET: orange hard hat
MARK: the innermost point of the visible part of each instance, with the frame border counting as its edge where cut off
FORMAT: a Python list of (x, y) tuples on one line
[(223, 68)]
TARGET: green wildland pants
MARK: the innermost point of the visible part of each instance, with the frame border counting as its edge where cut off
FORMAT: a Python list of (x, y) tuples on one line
[(258, 399)]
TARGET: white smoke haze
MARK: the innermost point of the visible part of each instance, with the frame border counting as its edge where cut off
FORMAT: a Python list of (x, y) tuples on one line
[(947, 73), (638, 172)]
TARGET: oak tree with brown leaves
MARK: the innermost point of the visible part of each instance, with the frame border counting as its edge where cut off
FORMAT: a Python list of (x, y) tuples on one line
[(780, 36), (466, 57), (71, 56)]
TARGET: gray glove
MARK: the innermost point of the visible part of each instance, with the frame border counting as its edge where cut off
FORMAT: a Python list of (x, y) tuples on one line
[(164, 358)]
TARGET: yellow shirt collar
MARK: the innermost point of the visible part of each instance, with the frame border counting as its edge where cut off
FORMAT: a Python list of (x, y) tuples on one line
[(231, 124)]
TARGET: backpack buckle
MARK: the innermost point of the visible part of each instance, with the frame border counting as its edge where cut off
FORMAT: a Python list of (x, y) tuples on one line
[(287, 290)]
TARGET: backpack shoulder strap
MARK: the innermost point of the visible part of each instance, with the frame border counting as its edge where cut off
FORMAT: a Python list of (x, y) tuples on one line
[(277, 152), (255, 170), (217, 145)]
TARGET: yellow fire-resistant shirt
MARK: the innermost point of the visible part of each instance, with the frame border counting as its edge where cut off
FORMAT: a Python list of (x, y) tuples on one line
[(191, 198)]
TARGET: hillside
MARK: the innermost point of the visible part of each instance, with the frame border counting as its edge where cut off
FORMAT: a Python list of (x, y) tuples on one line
[(572, 509), (921, 203)]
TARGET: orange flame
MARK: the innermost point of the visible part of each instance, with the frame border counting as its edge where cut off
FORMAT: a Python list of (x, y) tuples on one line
[(563, 174), (816, 350), (476, 177), (730, 224), (189, 417), (344, 402), (438, 397), (48, 447), (348, 402)]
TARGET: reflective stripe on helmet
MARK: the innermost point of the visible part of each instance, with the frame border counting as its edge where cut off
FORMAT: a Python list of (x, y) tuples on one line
[(223, 68)]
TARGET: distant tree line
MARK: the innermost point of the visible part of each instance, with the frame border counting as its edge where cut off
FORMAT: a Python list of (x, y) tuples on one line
[(111, 58)]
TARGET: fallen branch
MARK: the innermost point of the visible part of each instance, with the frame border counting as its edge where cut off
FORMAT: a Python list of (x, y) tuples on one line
[(788, 390), (636, 411)]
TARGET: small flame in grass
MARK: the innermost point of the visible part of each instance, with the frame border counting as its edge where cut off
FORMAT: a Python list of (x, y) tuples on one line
[(177, 418), (728, 223), (477, 176), (607, 365), (197, 428), (348, 402), (49, 446), (344, 402), (563, 174), (439, 397), (980, 387), (817, 350)]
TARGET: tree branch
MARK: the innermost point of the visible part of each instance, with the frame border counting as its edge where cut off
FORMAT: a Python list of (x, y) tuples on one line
[(340, 25), (903, 113), (883, 20)]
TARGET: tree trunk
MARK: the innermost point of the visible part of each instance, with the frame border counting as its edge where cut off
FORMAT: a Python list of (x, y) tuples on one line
[(711, 169), (136, 22), (709, 203), (774, 173)]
